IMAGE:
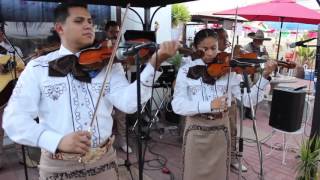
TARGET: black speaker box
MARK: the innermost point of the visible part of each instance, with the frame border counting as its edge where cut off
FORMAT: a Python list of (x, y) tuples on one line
[(287, 109)]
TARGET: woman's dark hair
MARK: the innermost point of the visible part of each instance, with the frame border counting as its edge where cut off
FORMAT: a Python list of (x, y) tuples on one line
[(202, 34), (61, 12), (219, 30)]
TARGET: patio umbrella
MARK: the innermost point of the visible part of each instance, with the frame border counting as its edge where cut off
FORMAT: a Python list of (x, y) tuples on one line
[(277, 10), (123, 3)]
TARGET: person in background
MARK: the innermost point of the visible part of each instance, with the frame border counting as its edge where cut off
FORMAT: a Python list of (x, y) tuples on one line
[(57, 89), (112, 29), (205, 101), (256, 46), (224, 46), (7, 49)]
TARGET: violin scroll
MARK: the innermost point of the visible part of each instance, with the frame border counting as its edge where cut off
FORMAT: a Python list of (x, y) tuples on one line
[(289, 65)]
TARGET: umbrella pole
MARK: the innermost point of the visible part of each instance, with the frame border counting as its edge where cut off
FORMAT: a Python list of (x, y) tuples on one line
[(279, 39), (278, 48)]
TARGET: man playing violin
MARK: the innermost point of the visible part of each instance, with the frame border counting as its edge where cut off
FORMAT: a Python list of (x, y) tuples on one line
[(63, 95), (223, 45), (257, 47), (112, 29), (205, 102)]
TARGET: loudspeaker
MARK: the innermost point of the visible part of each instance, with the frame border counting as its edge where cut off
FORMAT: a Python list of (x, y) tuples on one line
[(287, 109)]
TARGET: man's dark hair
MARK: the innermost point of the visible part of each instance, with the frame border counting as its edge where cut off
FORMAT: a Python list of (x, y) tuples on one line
[(110, 24), (61, 12), (53, 38), (2, 27)]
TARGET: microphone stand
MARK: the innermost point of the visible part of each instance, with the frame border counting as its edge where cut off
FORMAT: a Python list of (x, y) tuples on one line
[(127, 162), (15, 76), (13, 52), (139, 117), (245, 84)]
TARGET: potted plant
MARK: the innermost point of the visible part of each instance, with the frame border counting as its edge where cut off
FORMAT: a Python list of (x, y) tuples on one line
[(307, 168), (179, 16)]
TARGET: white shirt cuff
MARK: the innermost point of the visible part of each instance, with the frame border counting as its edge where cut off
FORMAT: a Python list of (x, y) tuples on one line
[(146, 77), (264, 82), (204, 107), (49, 140)]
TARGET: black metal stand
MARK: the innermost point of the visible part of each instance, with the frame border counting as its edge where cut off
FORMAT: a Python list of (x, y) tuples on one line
[(14, 53), (245, 84), (139, 118), (240, 152), (315, 127), (127, 162), (24, 162)]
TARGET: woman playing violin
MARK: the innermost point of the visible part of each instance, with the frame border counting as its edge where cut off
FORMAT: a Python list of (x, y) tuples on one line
[(63, 96), (206, 147)]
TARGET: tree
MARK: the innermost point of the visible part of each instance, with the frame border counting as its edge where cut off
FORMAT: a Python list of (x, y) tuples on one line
[(306, 55), (179, 14)]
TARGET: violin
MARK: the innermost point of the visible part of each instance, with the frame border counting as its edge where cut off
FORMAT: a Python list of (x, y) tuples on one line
[(97, 58), (289, 65), (220, 65)]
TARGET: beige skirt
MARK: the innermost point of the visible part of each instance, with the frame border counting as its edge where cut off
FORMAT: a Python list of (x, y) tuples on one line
[(206, 149), (104, 168)]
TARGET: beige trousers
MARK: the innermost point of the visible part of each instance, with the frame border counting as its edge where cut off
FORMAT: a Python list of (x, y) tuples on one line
[(233, 130), (206, 149), (105, 168), (119, 118)]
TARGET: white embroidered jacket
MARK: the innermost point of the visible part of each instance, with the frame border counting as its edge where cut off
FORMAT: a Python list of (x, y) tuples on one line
[(193, 96), (64, 104)]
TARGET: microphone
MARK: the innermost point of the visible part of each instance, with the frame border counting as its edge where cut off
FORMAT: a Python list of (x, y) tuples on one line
[(300, 43), (132, 49), (236, 63)]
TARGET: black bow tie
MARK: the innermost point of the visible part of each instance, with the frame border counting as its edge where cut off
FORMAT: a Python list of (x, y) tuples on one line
[(68, 64), (200, 71)]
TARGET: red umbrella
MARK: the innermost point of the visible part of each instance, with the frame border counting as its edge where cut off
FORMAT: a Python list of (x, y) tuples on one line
[(276, 10)]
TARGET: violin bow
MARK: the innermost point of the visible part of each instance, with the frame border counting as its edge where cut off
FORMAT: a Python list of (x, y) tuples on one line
[(108, 69), (234, 32), (232, 46)]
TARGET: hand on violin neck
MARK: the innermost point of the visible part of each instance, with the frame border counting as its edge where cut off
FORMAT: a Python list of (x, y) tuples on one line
[(166, 50), (270, 66)]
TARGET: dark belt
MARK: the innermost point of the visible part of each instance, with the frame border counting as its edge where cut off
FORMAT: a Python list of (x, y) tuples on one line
[(212, 116)]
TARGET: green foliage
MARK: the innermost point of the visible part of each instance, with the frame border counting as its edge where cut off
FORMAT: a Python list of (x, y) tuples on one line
[(306, 55), (308, 163), (176, 61), (179, 14)]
